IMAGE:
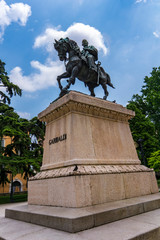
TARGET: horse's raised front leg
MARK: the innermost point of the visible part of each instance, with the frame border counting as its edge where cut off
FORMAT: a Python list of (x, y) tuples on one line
[(64, 75), (73, 76)]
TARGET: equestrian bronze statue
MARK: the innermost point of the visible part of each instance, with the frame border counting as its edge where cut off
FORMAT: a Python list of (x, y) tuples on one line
[(81, 65)]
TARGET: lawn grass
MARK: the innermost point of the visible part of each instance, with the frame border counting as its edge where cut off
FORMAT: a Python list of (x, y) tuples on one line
[(16, 198)]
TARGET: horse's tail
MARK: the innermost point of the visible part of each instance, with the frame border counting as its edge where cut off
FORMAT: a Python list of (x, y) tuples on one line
[(109, 81), (106, 77)]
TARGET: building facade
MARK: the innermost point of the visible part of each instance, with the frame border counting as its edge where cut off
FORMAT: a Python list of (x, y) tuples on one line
[(19, 183)]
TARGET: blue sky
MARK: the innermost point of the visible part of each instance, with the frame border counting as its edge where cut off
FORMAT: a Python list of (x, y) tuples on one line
[(126, 33)]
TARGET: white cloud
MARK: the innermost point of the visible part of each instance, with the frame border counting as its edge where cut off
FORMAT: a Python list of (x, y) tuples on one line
[(138, 1), (16, 12), (30, 95), (24, 115), (156, 34), (81, 2), (77, 32), (45, 77)]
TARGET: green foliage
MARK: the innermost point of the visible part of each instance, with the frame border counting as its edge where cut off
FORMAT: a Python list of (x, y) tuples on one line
[(142, 128), (37, 129), (24, 153), (146, 124), (151, 94), (10, 88), (154, 161), (17, 198), (3, 175)]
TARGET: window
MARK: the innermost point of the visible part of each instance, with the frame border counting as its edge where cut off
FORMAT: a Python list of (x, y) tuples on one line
[(3, 143)]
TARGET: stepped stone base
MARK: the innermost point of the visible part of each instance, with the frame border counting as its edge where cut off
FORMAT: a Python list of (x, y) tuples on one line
[(78, 219), (86, 190), (145, 226)]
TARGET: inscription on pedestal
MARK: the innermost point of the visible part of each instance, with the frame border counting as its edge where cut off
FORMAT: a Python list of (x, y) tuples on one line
[(58, 139)]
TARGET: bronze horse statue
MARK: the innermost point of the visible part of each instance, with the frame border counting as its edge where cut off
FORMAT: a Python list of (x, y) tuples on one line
[(77, 68)]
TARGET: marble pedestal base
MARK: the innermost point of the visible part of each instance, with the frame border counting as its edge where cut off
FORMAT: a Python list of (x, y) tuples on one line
[(89, 155), (81, 190)]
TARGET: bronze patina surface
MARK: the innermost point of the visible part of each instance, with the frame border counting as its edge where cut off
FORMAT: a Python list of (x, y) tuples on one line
[(81, 65)]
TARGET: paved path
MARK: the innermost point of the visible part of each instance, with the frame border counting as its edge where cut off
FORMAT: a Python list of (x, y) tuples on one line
[(7, 205), (141, 227)]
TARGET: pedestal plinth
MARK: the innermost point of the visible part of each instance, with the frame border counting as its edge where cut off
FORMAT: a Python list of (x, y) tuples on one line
[(89, 155)]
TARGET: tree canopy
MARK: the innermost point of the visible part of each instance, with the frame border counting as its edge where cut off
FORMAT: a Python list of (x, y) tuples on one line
[(24, 153), (154, 161), (146, 124), (21, 131), (10, 89)]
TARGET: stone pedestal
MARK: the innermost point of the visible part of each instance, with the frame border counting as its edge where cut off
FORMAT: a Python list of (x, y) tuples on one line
[(89, 155)]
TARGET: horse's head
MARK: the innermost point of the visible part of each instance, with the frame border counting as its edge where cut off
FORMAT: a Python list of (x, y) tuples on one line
[(65, 45), (62, 48)]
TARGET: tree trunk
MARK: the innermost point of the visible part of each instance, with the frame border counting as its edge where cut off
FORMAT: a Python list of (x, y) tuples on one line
[(11, 193)]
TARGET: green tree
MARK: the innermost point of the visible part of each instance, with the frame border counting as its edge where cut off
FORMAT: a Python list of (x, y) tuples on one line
[(22, 155), (3, 175), (151, 96), (149, 100), (154, 161), (144, 133), (10, 89), (146, 124)]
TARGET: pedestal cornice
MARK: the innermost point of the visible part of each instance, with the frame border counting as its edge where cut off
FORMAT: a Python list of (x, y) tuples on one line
[(84, 104)]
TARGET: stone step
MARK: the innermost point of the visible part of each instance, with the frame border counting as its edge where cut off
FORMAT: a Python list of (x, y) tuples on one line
[(144, 226), (78, 219)]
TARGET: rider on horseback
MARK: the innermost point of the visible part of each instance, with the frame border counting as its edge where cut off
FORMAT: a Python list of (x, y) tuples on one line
[(78, 66), (90, 53)]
